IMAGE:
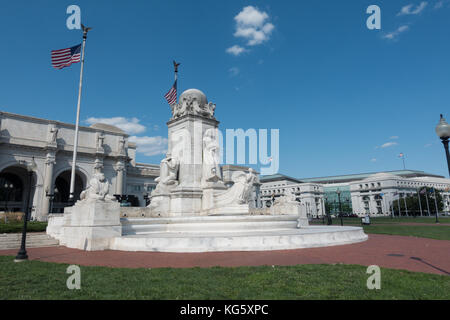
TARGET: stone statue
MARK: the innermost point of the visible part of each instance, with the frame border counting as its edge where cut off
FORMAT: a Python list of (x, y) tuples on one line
[(122, 145), (246, 194), (240, 192), (210, 108), (193, 101), (100, 140), (211, 158), (168, 177), (288, 197), (53, 134), (98, 189)]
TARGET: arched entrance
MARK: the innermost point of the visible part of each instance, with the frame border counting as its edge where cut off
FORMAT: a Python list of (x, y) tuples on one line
[(15, 187), (62, 190)]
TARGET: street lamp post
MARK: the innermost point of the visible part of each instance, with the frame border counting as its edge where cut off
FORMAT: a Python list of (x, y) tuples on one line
[(51, 197), (329, 222), (22, 254), (443, 132), (340, 208)]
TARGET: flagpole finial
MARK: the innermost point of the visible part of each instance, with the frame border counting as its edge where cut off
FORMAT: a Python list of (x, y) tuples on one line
[(176, 65), (85, 30)]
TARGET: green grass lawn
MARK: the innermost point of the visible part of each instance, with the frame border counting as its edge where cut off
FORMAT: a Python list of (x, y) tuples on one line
[(42, 280), (387, 225), (14, 227), (433, 232), (386, 220)]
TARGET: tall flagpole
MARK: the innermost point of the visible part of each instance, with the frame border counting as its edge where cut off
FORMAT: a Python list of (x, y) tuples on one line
[(420, 202), (435, 204), (176, 65), (428, 205), (75, 143), (406, 207)]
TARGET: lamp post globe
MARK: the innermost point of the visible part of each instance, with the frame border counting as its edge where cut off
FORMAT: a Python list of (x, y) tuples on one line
[(22, 254), (443, 132)]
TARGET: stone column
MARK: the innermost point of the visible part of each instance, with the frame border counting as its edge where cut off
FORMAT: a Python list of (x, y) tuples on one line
[(120, 169), (186, 144), (322, 206), (48, 185), (372, 204)]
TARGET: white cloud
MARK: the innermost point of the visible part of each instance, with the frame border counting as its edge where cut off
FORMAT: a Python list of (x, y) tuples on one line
[(129, 125), (410, 9), (394, 34), (373, 160), (150, 146), (393, 137), (388, 144), (234, 71), (251, 16), (235, 50), (252, 25), (428, 145)]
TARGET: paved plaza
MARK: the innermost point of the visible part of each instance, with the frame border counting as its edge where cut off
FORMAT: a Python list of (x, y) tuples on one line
[(389, 251)]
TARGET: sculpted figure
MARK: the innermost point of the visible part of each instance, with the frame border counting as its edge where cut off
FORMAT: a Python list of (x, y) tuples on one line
[(122, 145), (211, 158), (53, 134), (98, 188), (168, 177), (249, 180), (176, 110), (210, 109), (240, 192), (289, 196), (100, 139)]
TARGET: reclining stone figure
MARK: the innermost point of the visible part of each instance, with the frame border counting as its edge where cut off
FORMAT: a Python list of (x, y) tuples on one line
[(98, 189)]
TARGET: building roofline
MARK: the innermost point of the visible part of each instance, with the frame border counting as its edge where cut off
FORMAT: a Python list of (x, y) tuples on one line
[(350, 177), (60, 123)]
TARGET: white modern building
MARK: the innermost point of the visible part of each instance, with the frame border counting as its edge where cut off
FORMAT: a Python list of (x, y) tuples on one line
[(376, 193)]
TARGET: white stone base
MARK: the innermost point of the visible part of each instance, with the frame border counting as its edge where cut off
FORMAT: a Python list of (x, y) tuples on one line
[(88, 225), (54, 225), (91, 238), (309, 237), (230, 233)]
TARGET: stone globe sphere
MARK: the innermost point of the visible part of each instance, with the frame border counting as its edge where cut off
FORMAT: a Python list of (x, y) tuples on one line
[(194, 93)]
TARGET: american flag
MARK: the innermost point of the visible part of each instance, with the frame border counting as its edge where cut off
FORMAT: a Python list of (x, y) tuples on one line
[(65, 57), (171, 96)]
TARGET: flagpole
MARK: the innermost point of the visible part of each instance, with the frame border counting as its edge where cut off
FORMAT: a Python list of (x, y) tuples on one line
[(75, 143), (406, 207), (428, 205), (420, 202), (435, 204), (176, 65)]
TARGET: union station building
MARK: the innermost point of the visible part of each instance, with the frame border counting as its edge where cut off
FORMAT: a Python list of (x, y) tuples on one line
[(48, 144)]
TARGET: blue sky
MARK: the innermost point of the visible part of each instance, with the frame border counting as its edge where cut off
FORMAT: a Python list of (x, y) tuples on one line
[(346, 99)]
